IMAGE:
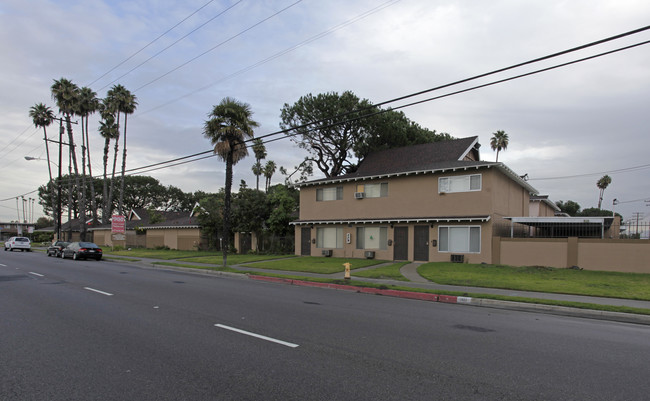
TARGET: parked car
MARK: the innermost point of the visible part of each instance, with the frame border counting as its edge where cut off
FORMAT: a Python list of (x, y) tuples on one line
[(82, 250), (56, 248), (21, 243)]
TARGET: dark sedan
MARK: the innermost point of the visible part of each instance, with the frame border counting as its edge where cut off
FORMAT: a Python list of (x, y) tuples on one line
[(56, 248), (82, 250)]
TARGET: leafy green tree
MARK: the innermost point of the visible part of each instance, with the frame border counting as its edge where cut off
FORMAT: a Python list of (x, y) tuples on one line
[(569, 207), (339, 130), (229, 125), (210, 216), (499, 142), (249, 210), (283, 202), (43, 222), (602, 184)]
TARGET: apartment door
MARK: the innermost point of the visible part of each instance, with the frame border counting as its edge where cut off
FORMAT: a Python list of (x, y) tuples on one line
[(305, 241), (421, 243), (401, 243)]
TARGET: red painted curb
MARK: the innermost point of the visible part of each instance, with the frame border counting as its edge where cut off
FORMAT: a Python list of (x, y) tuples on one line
[(366, 290)]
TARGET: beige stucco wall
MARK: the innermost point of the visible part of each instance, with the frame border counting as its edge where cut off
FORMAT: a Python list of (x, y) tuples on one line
[(174, 238), (614, 255), (550, 252)]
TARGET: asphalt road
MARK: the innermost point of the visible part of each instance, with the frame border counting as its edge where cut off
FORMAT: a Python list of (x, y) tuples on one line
[(87, 330)]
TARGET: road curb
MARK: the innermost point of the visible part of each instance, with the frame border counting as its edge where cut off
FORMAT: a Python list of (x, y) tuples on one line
[(480, 302)]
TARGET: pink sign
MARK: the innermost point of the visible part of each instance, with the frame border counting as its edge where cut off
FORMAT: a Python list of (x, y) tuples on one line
[(118, 224)]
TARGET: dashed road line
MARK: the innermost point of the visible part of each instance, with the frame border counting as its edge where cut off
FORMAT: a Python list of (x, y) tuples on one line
[(108, 294), (36, 274), (248, 333)]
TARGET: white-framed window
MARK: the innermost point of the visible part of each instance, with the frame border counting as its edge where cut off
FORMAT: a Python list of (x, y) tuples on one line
[(466, 239), (329, 237), (329, 194), (374, 190), (460, 183), (372, 237)]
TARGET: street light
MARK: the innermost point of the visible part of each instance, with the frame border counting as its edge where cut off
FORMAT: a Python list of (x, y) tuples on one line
[(38, 158)]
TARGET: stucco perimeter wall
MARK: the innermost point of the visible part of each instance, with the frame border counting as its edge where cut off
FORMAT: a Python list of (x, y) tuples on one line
[(631, 256), (550, 252), (177, 238)]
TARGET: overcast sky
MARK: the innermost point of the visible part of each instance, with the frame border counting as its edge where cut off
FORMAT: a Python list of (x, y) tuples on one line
[(567, 127)]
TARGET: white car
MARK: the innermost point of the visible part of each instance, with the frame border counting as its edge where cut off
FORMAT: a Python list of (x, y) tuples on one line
[(21, 243)]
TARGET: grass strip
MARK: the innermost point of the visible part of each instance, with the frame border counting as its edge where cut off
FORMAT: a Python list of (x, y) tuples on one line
[(213, 268), (391, 272), (121, 259), (541, 279), (236, 259), (311, 264), (580, 305)]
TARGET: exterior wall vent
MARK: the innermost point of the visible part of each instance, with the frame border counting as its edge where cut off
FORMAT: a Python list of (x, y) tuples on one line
[(457, 258), (370, 254), (327, 252)]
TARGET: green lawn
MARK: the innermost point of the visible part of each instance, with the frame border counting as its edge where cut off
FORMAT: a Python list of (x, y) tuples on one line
[(220, 268), (542, 279), (166, 254), (390, 272), (320, 265), (234, 259)]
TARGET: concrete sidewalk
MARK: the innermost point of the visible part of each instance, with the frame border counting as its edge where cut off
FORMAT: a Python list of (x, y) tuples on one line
[(418, 282)]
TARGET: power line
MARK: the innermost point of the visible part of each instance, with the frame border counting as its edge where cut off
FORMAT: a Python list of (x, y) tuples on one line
[(219, 44), (174, 43), (149, 44)]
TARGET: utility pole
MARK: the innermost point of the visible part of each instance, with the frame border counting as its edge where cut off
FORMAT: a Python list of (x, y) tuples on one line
[(636, 216)]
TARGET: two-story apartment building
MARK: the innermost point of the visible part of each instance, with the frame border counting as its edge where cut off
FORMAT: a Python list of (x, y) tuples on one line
[(429, 202)]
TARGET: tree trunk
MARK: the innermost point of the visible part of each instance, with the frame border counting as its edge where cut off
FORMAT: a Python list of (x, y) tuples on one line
[(83, 182), (105, 211), (117, 143), (93, 200), (76, 168), (121, 203), (226, 209)]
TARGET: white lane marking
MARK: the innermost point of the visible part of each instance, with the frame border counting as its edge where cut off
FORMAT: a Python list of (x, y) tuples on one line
[(3, 265), (248, 333), (99, 292), (36, 274)]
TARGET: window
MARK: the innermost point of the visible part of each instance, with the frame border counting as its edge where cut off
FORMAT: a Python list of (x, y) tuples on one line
[(374, 190), (460, 183), (329, 194), (459, 239), (372, 237), (329, 237)]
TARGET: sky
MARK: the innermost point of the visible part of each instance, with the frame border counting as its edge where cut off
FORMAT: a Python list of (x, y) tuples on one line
[(567, 127)]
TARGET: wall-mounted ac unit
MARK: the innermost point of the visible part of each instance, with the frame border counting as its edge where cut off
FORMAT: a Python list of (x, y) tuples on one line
[(457, 258), (370, 254), (327, 252), (359, 195)]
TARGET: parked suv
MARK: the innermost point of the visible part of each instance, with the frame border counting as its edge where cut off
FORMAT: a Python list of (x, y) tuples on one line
[(21, 243)]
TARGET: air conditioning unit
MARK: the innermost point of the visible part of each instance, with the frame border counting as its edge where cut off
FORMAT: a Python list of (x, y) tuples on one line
[(327, 252), (359, 195), (370, 254), (457, 258)]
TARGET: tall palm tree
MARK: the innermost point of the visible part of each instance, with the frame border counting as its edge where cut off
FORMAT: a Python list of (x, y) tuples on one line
[(88, 104), (108, 129), (269, 170), (128, 105), (602, 184), (260, 153), (499, 142), (42, 116), (228, 127), (66, 95)]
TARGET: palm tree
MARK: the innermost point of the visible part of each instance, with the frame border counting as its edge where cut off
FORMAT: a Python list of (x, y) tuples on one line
[(108, 129), (499, 142), (66, 95), (269, 170), (127, 106), (602, 184), (228, 126), (42, 116), (88, 104), (260, 153)]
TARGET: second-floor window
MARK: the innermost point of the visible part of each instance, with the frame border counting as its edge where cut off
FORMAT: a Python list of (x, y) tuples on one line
[(460, 183), (373, 190), (329, 194)]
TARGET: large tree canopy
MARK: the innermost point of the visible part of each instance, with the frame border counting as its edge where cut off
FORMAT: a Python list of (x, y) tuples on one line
[(340, 130)]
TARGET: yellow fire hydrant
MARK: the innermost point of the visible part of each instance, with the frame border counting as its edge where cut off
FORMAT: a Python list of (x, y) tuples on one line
[(347, 270)]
